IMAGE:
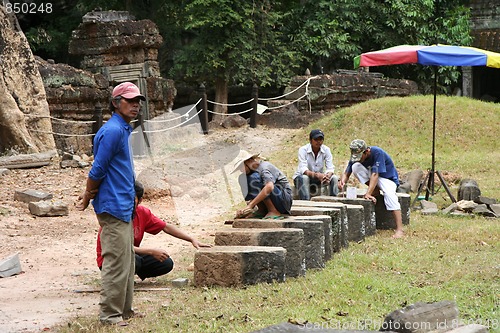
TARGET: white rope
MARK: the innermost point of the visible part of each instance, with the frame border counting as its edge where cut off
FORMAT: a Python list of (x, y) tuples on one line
[(186, 115), (230, 114), (60, 134), (63, 120), (306, 82), (282, 106), (234, 104), (166, 129)]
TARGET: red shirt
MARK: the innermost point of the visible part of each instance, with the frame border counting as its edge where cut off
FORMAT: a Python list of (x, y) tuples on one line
[(144, 221)]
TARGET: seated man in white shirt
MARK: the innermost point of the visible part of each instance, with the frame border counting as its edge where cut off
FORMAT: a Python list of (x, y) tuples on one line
[(315, 168)]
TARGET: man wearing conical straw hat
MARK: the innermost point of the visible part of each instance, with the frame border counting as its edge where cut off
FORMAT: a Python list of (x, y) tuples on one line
[(266, 189)]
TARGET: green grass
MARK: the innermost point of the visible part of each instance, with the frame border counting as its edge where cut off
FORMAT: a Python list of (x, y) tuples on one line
[(442, 257), (467, 144)]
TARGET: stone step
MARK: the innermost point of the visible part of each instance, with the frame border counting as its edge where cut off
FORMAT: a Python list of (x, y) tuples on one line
[(326, 220), (369, 210), (354, 214), (239, 265), (339, 224), (314, 237), (384, 218), (290, 239)]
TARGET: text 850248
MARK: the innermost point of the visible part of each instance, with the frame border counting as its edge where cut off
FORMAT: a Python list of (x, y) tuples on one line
[(27, 7)]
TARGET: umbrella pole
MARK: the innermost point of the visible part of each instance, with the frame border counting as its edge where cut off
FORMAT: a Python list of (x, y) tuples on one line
[(430, 183)]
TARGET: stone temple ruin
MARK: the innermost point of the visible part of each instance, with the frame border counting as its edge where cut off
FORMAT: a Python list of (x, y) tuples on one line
[(113, 48)]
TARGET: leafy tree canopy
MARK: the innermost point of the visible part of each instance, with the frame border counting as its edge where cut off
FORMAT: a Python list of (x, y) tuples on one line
[(264, 41)]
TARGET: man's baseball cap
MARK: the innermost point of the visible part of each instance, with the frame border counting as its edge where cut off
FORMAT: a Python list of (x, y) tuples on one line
[(127, 90), (316, 133), (358, 147)]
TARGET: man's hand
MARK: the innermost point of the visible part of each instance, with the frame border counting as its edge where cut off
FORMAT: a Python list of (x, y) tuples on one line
[(325, 178), (371, 198), (84, 199), (197, 244), (160, 255)]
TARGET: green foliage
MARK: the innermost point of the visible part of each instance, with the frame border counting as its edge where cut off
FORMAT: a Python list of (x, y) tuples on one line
[(237, 41), (267, 41)]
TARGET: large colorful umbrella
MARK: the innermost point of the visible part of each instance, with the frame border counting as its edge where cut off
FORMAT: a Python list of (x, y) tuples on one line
[(434, 55), (437, 55)]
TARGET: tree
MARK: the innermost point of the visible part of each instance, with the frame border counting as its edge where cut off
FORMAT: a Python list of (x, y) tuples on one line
[(234, 42), (332, 33)]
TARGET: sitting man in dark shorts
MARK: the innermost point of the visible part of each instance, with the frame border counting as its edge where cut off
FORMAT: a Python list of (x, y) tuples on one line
[(150, 262), (265, 188)]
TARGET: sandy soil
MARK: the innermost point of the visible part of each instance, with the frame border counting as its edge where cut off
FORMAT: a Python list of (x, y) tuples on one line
[(57, 254)]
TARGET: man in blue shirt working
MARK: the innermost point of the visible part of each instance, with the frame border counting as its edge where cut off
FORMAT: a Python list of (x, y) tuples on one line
[(374, 167), (110, 184)]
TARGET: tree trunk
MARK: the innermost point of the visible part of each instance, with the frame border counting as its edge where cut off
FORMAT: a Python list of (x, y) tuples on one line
[(221, 92)]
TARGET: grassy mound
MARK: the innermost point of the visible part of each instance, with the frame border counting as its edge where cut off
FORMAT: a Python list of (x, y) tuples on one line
[(467, 143)]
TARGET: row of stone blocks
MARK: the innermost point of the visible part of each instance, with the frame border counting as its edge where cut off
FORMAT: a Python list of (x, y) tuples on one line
[(262, 250)]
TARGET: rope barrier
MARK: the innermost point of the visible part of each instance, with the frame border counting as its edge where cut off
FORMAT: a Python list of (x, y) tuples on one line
[(234, 104), (306, 82), (166, 129), (187, 114), (60, 134), (63, 120), (282, 106), (229, 114)]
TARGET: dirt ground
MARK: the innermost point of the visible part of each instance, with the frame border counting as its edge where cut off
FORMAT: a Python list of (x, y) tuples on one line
[(57, 254)]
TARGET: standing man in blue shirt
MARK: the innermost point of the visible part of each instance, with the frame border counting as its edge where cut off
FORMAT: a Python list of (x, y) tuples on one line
[(110, 184), (374, 167), (315, 167)]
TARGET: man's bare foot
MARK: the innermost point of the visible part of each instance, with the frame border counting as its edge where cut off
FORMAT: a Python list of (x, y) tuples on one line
[(398, 234)]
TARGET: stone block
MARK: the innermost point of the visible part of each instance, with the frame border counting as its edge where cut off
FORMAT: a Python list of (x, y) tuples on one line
[(353, 217), (468, 190), (239, 265), (31, 196), (314, 238), (339, 225), (356, 220), (290, 239), (10, 266), (368, 206), (327, 231), (495, 208), (422, 317), (180, 282), (48, 208), (384, 218)]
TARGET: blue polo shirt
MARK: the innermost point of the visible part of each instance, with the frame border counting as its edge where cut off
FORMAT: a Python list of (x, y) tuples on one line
[(114, 166), (379, 162)]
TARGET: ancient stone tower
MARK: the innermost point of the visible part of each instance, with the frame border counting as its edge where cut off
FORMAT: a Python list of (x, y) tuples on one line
[(115, 45)]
